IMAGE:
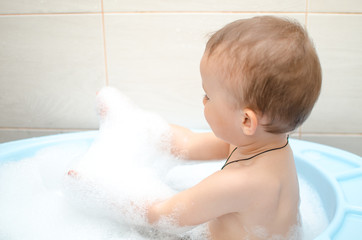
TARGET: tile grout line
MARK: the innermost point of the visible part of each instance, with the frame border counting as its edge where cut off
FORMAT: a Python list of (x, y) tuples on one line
[(82, 129), (232, 12), (50, 14), (306, 14), (300, 131), (333, 134), (104, 46), (44, 129), (179, 12)]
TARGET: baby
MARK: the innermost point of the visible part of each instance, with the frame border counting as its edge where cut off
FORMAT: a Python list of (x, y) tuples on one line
[(262, 78)]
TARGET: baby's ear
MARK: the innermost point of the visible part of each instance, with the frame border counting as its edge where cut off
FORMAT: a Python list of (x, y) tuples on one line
[(249, 121)]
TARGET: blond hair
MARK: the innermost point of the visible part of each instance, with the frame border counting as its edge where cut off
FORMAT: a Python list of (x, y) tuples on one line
[(269, 65)]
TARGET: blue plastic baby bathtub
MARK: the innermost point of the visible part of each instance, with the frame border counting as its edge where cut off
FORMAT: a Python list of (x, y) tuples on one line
[(335, 174)]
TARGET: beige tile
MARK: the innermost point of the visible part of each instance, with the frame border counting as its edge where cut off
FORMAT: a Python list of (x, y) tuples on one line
[(205, 5), (7, 135), (53, 6), (335, 6), (351, 144), (154, 58), (338, 40), (51, 68)]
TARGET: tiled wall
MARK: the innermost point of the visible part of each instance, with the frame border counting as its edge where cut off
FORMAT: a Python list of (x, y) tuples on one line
[(55, 55)]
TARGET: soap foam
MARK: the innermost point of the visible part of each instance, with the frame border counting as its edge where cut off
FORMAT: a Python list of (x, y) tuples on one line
[(313, 215), (124, 169), (127, 166)]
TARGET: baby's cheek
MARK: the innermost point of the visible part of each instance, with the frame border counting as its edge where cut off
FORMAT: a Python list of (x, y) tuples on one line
[(207, 115)]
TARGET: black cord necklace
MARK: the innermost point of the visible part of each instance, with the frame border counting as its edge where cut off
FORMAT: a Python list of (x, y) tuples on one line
[(244, 159)]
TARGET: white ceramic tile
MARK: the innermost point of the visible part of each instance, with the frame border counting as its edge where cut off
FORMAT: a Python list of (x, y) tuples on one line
[(154, 58), (338, 40), (351, 144), (205, 5), (50, 70), (335, 6), (7, 135), (53, 6)]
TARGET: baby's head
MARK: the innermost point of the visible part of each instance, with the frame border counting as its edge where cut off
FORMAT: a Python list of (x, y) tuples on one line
[(268, 65)]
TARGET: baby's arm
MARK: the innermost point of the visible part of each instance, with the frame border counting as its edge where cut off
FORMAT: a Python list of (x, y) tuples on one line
[(217, 195), (197, 146)]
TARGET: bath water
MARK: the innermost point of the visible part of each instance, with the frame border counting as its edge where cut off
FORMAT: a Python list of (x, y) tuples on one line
[(126, 166)]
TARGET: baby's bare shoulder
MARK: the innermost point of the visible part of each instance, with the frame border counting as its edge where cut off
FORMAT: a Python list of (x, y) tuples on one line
[(250, 183)]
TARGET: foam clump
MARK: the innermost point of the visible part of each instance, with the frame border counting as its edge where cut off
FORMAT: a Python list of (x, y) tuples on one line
[(313, 215), (125, 169)]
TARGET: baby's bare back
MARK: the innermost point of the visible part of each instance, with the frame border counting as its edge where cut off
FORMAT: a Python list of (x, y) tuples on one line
[(269, 206)]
